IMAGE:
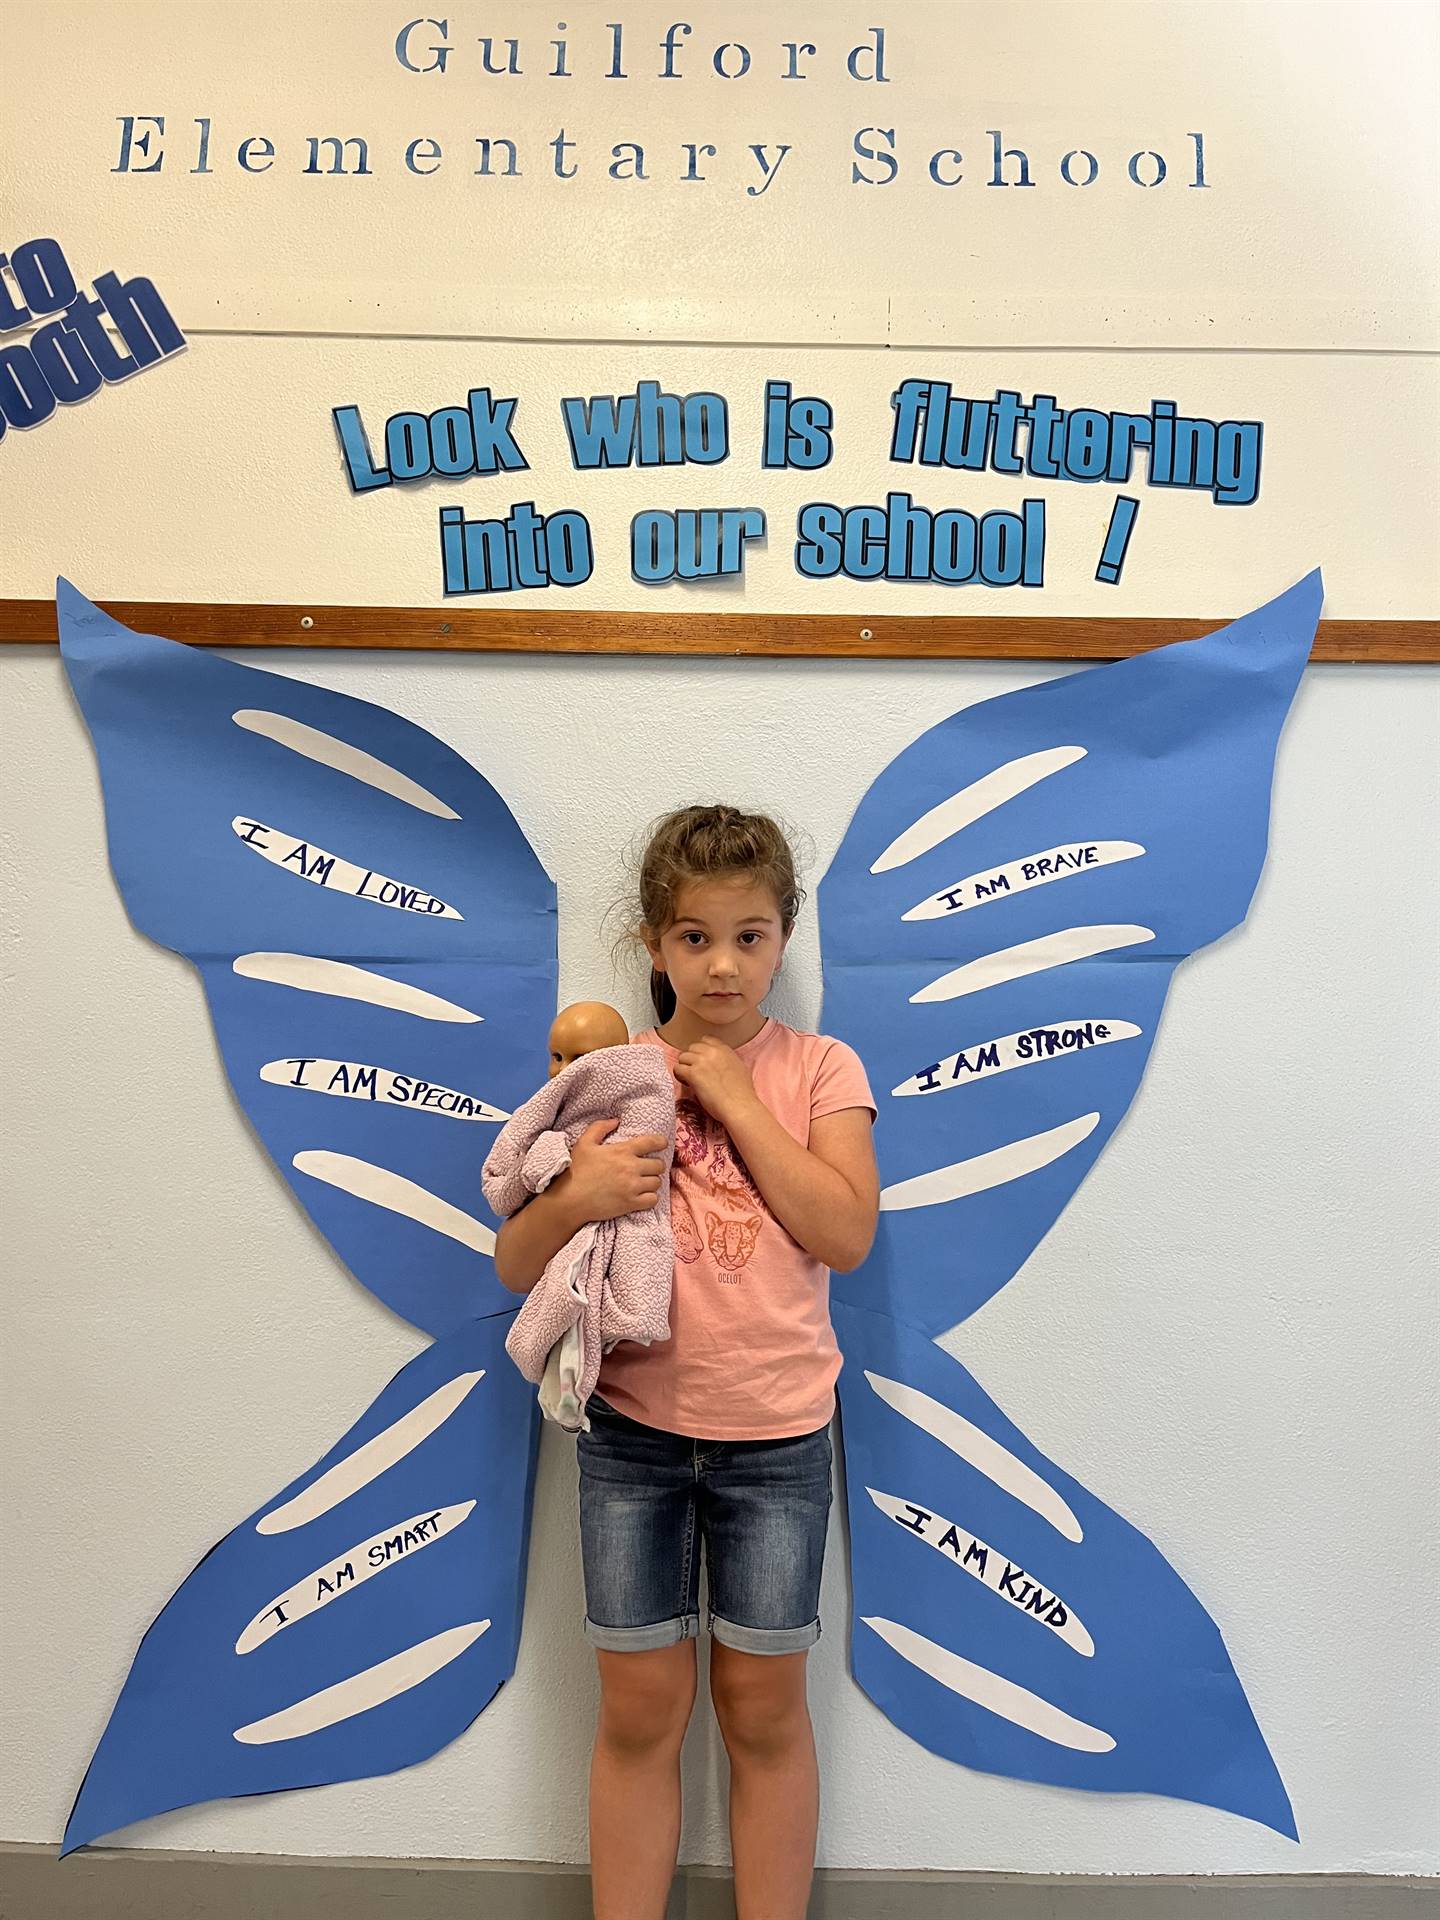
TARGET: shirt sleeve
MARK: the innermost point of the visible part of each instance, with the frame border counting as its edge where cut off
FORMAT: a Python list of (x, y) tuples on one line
[(839, 1081)]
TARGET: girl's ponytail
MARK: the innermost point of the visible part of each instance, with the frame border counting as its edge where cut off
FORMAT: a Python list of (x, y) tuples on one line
[(662, 996)]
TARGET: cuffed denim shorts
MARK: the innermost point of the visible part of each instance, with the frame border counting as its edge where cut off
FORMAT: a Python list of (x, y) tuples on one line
[(647, 1501)]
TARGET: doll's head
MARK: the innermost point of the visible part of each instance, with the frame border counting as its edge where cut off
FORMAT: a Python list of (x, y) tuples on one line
[(584, 1028)]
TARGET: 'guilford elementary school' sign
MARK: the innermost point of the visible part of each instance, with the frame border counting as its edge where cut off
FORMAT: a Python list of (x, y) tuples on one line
[(780, 173)]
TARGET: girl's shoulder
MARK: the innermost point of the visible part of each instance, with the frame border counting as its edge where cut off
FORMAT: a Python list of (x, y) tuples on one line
[(803, 1039), (828, 1064)]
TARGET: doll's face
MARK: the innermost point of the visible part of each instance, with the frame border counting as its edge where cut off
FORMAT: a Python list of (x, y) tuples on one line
[(584, 1028)]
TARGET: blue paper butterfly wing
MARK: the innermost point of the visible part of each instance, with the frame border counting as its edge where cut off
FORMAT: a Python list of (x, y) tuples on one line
[(357, 1623), (377, 942), (1008, 1620), (998, 929), (375, 1047)]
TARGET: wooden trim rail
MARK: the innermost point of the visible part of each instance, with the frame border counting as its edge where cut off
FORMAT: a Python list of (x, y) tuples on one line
[(778, 635)]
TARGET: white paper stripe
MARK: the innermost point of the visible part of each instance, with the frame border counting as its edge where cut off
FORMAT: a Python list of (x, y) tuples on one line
[(995, 1571), (361, 1691), (376, 1456), (980, 797), (974, 1445), (352, 1569), (305, 861), (1051, 1040), (1019, 876), (311, 974), (355, 1080), (992, 1690), (396, 1194), (985, 1170), (1031, 956), (339, 754)]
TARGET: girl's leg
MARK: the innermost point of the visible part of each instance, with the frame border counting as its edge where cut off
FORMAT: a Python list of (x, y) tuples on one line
[(645, 1704), (641, 1553), (774, 1781), (763, 1511)]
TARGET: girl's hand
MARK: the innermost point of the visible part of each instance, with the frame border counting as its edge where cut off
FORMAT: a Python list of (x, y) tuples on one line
[(718, 1077), (606, 1178)]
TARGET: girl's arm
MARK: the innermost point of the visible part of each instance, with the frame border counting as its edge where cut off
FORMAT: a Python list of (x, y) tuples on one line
[(827, 1196), (529, 1240), (604, 1180)]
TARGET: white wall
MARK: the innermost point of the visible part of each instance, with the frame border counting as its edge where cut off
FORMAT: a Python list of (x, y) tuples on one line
[(1230, 1336)]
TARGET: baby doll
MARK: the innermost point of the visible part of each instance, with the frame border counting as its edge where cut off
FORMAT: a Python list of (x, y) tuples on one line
[(611, 1280)]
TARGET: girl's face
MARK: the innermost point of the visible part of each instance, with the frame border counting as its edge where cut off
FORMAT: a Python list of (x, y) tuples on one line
[(722, 949)]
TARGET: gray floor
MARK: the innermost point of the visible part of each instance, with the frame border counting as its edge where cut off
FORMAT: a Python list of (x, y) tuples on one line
[(143, 1884)]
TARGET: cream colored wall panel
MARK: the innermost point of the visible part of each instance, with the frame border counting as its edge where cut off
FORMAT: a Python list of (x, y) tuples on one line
[(217, 476), (1297, 207)]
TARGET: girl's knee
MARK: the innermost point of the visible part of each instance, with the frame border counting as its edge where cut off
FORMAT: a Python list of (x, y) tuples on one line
[(759, 1701), (646, 1699)]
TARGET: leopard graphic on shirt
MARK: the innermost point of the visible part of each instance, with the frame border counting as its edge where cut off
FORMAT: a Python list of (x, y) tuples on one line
[(732, 1226), (731, 1243), (687, 1234)]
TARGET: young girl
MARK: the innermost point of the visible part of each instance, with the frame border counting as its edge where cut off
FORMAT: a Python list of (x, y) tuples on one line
[(719, 1435)]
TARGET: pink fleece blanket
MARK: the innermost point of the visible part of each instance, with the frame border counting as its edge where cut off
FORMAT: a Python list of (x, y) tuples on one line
[(610, 1281)]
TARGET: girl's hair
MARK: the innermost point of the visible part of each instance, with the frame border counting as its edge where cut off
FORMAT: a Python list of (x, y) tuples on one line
[(706, 843)]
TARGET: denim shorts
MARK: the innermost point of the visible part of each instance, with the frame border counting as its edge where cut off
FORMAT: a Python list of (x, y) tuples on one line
[(647, 1501)]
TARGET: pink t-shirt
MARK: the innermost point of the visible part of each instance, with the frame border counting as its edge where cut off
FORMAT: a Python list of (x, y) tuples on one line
[(751, 1353)]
